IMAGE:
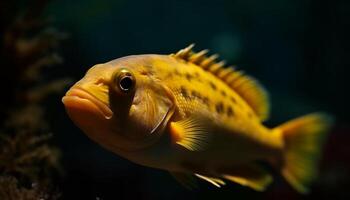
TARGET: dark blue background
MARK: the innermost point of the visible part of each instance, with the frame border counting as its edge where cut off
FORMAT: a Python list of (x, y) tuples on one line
[(297, 49)]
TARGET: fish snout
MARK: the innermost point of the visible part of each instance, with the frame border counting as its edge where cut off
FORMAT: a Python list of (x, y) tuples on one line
[(87, 101)]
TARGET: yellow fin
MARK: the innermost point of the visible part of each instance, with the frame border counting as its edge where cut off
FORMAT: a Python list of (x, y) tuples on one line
[(247, 87), (191, 133), (214, 181), (188, 180), (304, 138), (251, 176)]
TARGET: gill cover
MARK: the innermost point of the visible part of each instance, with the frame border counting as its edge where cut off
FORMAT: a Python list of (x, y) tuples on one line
[(152, 108)]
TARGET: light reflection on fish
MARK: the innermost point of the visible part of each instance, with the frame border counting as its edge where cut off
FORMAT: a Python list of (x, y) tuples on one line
[(190, 115)]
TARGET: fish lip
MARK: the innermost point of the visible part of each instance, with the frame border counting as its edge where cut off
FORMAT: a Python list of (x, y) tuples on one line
[(78, 93)]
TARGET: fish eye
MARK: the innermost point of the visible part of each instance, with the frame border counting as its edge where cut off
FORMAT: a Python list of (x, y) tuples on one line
[(124, 81)]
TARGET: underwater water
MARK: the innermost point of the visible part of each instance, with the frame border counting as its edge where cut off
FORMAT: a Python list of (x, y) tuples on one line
[(296, 49)]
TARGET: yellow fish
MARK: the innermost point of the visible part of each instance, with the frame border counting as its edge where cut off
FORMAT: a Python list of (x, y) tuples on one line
[(190, 115)]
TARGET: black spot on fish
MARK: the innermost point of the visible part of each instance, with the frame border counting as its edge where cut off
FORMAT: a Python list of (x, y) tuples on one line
[(176, 72), (229, 111), (184, 92), (233, 100), (196, 94), (197, 76), (223, 93), (169, 75), (219, 107), (205, 100), (144, 72), (212, 85), (189, 77)]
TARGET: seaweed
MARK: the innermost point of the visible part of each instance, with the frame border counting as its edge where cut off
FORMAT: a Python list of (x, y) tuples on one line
[(29, 163)]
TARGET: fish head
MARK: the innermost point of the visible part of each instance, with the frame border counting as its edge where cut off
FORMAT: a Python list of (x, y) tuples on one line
[(121, 105)]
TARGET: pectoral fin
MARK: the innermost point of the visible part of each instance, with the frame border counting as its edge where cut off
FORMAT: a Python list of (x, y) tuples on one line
[(191, 133), (252, 176)]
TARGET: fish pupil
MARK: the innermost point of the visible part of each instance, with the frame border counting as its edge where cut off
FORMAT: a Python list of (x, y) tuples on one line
[(126, 83)]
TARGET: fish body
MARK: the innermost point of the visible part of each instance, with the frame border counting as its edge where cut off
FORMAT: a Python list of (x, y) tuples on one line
[(189, 115), (230, 119)]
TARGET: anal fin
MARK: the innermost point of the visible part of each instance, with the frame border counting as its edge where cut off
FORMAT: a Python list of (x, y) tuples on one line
[(251, 176), (189, 180), (214, 181)]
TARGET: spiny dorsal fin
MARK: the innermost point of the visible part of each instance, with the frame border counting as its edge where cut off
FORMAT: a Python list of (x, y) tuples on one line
[(247, 87)]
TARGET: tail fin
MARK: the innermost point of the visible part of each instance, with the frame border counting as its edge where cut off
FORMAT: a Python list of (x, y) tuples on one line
[(303, 138)]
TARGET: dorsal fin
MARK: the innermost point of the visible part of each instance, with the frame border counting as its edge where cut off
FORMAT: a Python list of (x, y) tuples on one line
[(247, 87)]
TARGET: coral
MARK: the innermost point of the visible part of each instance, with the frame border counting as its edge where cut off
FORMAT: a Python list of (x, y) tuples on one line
[(28, 156), (9, 190), (28, 162)]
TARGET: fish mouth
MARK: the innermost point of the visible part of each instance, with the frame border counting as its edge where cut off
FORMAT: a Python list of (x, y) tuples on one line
[(81, 99)]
